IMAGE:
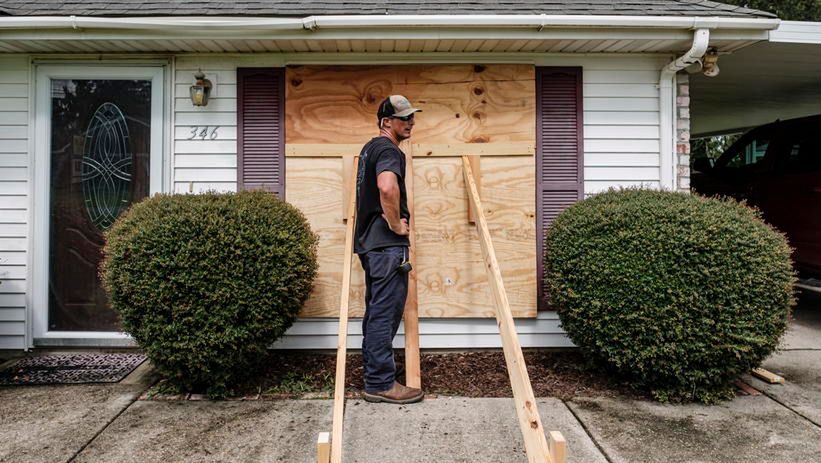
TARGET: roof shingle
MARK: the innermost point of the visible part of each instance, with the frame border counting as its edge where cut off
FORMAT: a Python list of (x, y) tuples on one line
[(292, 8)]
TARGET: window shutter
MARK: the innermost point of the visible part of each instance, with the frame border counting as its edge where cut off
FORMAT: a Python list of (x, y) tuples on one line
[(559, 151), (261, 130)]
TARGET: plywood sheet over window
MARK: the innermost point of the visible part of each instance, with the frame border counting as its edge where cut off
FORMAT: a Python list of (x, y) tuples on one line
[(463, 104)]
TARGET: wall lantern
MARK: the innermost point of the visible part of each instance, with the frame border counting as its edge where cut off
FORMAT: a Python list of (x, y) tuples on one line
[(201, 89), (709, 63)]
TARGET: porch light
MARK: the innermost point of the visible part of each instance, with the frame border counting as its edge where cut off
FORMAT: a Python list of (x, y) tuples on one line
[(709, 64), (201, 89)]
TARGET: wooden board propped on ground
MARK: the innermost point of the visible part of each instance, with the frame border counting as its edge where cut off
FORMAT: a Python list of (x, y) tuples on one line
[(413, 372), (536, 446), (342, 340)]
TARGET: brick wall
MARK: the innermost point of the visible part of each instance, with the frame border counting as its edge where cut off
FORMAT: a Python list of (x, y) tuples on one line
[(683, 132)]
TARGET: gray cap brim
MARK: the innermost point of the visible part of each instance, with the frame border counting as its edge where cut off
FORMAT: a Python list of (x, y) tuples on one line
[(406, 112)]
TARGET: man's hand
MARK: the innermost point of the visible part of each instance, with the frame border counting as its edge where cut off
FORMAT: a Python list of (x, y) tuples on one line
[(401, 229)]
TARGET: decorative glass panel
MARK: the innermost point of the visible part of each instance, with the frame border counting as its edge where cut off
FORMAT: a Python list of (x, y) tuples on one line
[(106, 166), (100, 153)]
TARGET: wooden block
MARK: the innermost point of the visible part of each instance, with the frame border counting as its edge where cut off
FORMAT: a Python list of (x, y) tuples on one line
[(323, 448), (558, 447), (767, 376), (477, 177), (746, 388)]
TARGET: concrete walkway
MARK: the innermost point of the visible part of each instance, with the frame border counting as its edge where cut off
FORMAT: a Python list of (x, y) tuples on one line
[(107, 423)]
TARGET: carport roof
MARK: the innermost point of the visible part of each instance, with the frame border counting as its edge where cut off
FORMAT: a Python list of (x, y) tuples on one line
[(296, 8), (772, 79)]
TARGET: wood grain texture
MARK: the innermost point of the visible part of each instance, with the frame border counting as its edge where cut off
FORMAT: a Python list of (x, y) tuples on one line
[(315, 187), (452, 281), (450, 275), (461, 103)]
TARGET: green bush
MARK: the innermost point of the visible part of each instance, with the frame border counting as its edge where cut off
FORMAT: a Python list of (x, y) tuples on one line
[(205, 283), (677, 293)]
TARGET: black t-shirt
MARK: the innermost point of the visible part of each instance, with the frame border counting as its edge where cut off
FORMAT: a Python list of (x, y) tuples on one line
[(372, 232)]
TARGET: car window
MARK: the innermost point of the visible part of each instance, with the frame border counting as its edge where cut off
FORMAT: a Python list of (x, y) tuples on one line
[(803, 154), (750, 154)]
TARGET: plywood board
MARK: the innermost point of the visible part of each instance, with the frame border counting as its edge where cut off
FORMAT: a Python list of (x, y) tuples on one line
[(461, 103), (451, 278), (315, 187), (336, 106)]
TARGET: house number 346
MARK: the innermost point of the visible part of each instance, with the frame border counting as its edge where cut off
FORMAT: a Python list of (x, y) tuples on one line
[(204, 133)]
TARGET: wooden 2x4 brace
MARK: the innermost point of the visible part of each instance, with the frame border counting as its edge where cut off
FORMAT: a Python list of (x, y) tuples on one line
[(536, 446)]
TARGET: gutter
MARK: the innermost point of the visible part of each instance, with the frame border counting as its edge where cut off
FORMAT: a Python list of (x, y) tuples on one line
[(667, 105), (539, 22)]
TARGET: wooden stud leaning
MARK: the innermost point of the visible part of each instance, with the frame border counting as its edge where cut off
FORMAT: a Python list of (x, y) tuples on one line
[(341, 347), (413, 370), (527, 412)]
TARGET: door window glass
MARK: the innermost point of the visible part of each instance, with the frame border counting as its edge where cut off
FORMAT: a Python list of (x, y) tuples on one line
[(100, 153)]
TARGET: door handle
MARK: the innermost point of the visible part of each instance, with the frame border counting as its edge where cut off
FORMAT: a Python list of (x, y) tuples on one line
[(816, 189)]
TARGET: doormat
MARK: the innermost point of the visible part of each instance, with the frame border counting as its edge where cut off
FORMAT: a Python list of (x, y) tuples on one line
[(71, 369)]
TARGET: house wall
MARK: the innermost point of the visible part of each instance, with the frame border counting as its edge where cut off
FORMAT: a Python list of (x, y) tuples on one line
[(14, 199), (621, 139)]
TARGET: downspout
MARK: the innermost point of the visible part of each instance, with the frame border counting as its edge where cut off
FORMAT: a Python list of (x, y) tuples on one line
[(667, 106)]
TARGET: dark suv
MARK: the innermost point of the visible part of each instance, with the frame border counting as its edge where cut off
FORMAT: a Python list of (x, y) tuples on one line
[(777, 168)]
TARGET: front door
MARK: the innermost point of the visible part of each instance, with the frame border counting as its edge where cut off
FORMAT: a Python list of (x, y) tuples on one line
[(102, 134)]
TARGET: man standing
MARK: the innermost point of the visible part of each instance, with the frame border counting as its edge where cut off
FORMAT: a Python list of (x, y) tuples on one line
[(381, 241)]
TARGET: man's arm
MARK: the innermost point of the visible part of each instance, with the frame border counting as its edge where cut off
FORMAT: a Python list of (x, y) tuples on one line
[(389, 198)]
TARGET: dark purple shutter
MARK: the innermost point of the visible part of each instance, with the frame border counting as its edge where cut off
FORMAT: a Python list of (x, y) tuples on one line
[(261, 129), (559, 151)]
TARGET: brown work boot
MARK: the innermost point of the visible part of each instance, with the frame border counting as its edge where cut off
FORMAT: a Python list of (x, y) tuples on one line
[(398, 394)]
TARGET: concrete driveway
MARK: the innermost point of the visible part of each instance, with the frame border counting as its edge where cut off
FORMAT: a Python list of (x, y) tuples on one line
[(108, 423)]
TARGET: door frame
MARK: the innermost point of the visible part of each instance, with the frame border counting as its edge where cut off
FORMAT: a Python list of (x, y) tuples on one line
[(41, 167)]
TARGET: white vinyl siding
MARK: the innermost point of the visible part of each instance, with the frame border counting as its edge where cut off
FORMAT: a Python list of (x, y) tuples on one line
[(14, 199), (621, 123), (438, 333), (209, 164)]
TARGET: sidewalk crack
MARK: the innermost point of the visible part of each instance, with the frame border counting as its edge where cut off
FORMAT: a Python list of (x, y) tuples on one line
[(775, 399), (587, 431), (97, 434)]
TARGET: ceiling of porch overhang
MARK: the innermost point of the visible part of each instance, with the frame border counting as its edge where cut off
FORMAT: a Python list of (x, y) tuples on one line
[(777, 79), (580, 41)]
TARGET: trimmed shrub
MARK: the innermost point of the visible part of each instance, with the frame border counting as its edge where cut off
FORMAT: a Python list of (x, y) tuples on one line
[(675, 292), (205, 283)]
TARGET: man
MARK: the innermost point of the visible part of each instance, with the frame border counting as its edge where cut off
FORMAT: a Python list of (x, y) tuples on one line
[(381, 241)]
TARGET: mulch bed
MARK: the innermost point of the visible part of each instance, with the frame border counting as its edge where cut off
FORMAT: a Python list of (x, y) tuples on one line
[(294, 374)]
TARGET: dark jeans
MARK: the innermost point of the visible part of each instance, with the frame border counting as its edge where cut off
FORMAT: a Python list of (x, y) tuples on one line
[(386, 289)]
